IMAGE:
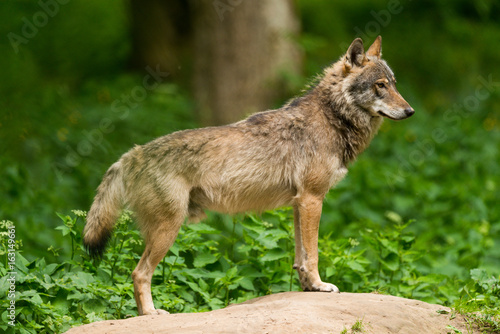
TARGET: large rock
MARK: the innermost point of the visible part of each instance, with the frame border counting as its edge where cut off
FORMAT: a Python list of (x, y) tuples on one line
[(296, 312)]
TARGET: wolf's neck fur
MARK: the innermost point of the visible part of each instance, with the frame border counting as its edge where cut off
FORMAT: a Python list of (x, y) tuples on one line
[(354, 128)]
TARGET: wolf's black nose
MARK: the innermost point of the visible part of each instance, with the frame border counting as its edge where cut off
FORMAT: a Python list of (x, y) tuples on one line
[(409, 111)]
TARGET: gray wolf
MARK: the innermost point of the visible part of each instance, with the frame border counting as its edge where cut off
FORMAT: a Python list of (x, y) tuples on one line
[(290, 156)]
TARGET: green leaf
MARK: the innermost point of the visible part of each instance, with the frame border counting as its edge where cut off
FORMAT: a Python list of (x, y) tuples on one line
[(21, 263), (391, 262), (36, 299), (247, 284), (253, 224), (92, 317), (63, 217), (202, 259), (408, 238), (274, 254), (356, 266), (103, 274), (251, 272), (390, 245), (330, 271), (270, 238), (64, 229), (191, 273), (75, 295), (195, 287), (49, 269), (40, 263), (203, 285), (82, 279), (232, 272), (478, 275), (203, 228), (174, 249), (94, 305), (115, 299), (276, 234), (31, 296)]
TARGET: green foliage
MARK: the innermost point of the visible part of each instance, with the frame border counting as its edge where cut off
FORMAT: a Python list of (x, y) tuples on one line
[(481, 292), (208, 268), (384, 260), (358, 326), (198, 274)]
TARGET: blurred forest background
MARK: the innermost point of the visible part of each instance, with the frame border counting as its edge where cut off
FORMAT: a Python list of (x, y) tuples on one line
[(83, 81)]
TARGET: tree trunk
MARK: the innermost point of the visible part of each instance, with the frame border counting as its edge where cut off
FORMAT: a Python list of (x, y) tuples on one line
[(242, 50), (161, 31)]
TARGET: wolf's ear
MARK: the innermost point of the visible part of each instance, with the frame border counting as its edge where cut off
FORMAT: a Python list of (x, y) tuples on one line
[(375, 50), (356, 53)]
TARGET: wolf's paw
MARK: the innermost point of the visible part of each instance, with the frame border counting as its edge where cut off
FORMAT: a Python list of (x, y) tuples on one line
[(324, 287), (156, 312)]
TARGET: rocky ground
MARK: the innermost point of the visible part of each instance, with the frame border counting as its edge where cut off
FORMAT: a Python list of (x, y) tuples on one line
[(299, 312)]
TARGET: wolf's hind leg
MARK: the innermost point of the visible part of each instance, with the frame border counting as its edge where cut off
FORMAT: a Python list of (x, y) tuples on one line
[(307, 214), (158, 241)]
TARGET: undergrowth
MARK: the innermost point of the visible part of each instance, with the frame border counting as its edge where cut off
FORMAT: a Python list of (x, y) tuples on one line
[(209, 268)]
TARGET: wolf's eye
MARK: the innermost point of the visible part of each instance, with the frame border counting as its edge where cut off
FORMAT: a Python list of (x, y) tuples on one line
[(380, 85)]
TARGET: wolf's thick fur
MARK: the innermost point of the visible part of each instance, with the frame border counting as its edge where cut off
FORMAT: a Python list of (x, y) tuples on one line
[(286, 157)]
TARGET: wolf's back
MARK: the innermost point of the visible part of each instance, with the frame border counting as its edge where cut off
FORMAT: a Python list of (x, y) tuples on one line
[(104, 211)]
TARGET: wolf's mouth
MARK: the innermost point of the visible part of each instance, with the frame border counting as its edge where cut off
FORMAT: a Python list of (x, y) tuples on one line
[(381, 113)]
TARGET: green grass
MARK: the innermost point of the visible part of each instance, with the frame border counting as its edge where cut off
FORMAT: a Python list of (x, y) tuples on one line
[(358, 326)]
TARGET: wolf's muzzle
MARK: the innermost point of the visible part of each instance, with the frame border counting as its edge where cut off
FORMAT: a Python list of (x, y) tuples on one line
[(409, 112)]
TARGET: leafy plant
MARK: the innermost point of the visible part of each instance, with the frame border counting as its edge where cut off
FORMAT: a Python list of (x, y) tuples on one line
[(197, 274), (358, 326), (208, 268), (481, 292)]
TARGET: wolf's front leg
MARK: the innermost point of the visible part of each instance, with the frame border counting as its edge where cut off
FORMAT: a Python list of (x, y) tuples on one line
[(307, 214)]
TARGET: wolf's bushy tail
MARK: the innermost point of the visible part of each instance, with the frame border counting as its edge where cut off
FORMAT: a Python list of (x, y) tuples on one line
[(104, 211)]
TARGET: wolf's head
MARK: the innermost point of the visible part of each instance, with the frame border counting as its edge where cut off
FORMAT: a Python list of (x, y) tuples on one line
[(367, 82)]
